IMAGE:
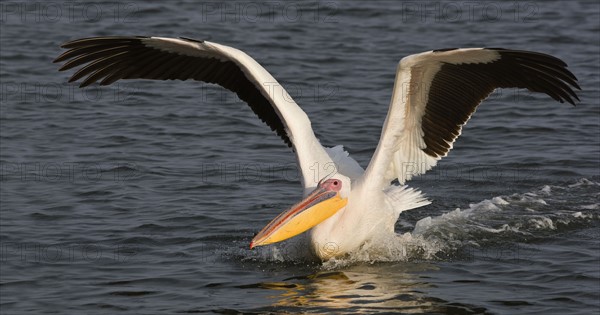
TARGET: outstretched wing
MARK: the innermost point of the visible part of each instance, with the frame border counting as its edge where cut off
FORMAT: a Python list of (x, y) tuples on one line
[(435, 94), (108, 59)]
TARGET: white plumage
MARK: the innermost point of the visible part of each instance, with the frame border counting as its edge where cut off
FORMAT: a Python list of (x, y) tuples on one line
[(434, 95)]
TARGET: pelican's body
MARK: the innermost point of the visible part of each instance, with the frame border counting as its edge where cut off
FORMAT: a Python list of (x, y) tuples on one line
[(344, 206)]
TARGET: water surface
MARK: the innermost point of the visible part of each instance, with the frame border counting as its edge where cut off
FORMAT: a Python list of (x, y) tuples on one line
[(142, 197)]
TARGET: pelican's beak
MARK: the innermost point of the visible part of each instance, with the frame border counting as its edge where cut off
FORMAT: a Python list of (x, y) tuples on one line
[(314, 209)]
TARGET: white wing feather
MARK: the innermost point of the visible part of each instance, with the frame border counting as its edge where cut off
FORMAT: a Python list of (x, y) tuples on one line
[(399, 154)]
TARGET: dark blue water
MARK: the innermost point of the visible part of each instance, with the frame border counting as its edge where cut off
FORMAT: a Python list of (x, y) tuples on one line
[(142, 197)]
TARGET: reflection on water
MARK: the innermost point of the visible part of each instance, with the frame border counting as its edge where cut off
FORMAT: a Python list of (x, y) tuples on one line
[(377, 288)]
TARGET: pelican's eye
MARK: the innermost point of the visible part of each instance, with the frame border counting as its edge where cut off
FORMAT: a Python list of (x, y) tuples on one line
[(332, 184)]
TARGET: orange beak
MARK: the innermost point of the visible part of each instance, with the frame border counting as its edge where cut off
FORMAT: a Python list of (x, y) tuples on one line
[(314, 209)]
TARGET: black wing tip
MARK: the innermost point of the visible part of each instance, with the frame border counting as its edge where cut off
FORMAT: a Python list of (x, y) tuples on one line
[(90, 40), (444, 49), (191, 39), (532, 57), (57, 60), (81, 43), (572, 102), (106, 59)]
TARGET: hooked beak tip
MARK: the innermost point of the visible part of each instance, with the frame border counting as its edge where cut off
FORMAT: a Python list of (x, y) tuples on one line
[(251, 245)]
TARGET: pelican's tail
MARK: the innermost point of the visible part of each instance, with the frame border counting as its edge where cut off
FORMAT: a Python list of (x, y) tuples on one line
[(404, 198)]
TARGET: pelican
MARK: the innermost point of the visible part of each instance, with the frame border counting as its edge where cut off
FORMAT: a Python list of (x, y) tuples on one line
[(434, 95)]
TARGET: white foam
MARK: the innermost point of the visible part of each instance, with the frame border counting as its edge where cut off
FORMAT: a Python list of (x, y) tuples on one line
[(594, 206), (488, 220), (546, 190), (499, 201), (584, 182), (503, 228), (425, 224), (488, 205), (542, 222), (579, 214), (528, 198), (399, 247)]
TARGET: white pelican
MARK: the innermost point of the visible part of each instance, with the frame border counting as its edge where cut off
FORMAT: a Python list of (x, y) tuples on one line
[(434, 95)]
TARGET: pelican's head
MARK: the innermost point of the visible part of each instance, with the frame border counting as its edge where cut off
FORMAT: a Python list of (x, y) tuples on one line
[(330, 196)]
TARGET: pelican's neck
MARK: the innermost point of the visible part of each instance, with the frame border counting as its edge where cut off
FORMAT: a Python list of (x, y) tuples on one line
[(313, 160)]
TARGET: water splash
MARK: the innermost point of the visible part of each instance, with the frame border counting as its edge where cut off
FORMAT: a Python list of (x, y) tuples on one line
[(506, 219)]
